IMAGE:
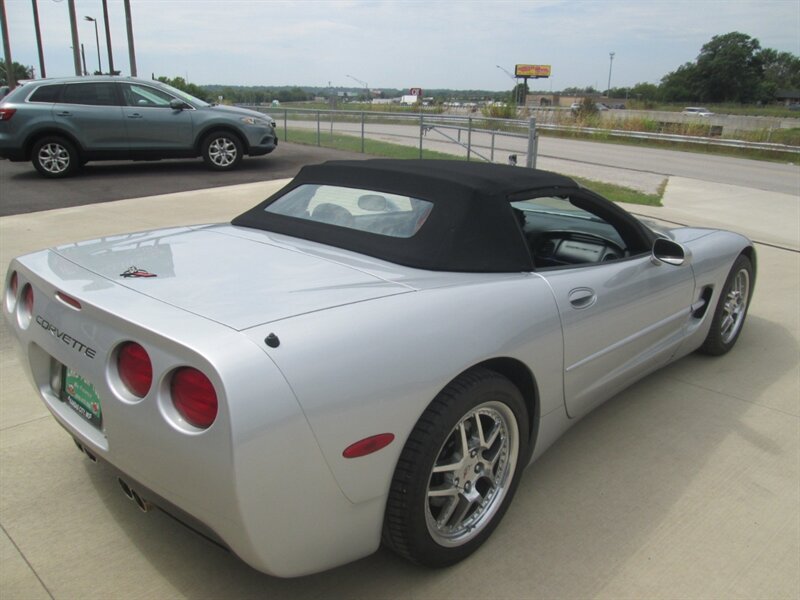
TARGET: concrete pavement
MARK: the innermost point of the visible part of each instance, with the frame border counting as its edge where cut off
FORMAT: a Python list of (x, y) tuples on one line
[(685, 485)]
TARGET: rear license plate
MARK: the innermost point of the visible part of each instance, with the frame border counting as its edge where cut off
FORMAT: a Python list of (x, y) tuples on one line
[(81, 397)]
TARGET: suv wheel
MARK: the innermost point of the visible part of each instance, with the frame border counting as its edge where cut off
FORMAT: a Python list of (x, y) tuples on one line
[(55, 157), (222, 151)]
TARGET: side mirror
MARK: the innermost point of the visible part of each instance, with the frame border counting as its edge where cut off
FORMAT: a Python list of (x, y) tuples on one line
[(669, 252), (176, 104)]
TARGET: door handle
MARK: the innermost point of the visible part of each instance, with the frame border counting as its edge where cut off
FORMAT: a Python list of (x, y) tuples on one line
[(64, 113), (582, 297), (135, 116)]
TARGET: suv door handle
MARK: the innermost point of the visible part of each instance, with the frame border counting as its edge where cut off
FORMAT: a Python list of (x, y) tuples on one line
[(64, 113), (135, 116), (582, 297)]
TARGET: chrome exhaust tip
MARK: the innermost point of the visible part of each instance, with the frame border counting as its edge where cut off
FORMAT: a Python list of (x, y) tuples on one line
[(125, 488), (143, 504)]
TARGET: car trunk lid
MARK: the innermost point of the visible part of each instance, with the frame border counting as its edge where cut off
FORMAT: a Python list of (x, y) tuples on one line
[(238, 282)]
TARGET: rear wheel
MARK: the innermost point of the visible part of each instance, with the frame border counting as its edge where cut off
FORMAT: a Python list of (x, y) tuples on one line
[(222, 151), (55, 157), (731, 309), (458, 471)]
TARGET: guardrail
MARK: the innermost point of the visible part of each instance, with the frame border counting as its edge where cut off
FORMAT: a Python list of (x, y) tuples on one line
[(468, 126)]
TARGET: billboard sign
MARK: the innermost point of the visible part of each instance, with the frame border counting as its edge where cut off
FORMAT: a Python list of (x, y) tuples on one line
[(415, 92), (532, 71)]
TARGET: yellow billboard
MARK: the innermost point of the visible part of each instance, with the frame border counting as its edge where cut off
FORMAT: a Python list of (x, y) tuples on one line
[(532, 71)]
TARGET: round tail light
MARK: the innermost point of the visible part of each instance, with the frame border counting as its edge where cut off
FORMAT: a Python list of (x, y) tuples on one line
[(13, 284), (194, 397), (135, 369), (27, 295)]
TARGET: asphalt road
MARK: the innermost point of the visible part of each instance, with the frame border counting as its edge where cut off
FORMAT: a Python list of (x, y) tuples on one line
[(757, 174), (23, 190)]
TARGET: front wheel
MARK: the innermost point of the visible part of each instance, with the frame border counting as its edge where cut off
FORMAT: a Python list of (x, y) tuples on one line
[(458, 470), (55, 157), (731, 309), (222, 151)]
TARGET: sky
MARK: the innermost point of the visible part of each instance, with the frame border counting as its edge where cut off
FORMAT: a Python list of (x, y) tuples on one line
[(455, 44)]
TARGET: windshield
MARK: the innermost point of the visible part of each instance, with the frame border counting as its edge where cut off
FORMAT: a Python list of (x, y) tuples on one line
[(184, 96)]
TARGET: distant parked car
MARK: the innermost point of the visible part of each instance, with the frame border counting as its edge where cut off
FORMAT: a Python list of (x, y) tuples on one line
[(60, 124), (4, 90), (618, 106), (697, 110)]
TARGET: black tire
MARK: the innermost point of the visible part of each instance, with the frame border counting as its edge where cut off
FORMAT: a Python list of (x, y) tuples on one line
[(437, 531), (55, 157), (731, 309), (222, 150)]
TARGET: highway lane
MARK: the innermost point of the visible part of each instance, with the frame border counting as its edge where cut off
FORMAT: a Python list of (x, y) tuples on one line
[(762, 175)]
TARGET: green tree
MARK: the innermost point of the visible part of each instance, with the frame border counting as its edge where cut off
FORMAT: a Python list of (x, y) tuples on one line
[(729, 69), (190, 88), (681, 84), (519, 93), (781, 71), (19, 71)]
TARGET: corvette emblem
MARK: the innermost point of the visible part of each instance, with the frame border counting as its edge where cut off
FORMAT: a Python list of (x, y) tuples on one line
[(137, 272)]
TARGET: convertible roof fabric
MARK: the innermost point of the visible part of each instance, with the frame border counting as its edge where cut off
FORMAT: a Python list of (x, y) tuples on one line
[(472, 227)]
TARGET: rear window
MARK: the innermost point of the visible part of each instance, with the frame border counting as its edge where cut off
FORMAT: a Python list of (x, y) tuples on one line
[(46, 93), (375, 212), (95, 94)]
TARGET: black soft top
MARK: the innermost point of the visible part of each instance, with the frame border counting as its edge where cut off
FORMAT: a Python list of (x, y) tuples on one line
[(472, 226)]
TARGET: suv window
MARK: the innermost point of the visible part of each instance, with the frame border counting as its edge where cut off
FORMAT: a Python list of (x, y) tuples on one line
[(142, 95), (95, 94), (46, 93)]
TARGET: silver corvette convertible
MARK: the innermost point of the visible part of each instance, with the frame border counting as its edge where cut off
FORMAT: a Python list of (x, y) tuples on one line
[(371, 355)]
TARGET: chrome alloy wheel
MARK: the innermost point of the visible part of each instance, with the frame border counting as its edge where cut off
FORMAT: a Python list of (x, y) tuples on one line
[(54, 158), (735, 306), (222, 151), (472, 474)]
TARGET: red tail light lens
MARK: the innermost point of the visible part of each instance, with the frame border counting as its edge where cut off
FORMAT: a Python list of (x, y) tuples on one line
[(194, 397), (7, 113), (68, 300), (135, 369), (27, 299)]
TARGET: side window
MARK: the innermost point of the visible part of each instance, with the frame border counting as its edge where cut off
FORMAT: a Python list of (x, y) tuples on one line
[(93, 94), (561, 234), (145, 96), (46, 93)]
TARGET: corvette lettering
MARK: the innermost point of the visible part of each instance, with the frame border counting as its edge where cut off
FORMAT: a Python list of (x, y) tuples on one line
[(64, 337)]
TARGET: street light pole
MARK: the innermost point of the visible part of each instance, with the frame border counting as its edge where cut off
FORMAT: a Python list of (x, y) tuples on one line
[(610, 64), (97, 39), (516, 83), (108, 39), (364, 83)]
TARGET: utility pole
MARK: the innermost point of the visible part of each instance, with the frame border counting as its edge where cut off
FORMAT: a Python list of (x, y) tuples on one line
[(42, 72), (10, 80), (129, 25), (76, 43), (108, 39), (610, 64)]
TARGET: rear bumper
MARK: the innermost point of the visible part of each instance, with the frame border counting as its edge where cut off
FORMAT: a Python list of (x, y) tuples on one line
[(255, 481)]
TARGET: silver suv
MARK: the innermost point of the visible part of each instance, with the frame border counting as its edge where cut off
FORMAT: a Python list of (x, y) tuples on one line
[(60, 124)]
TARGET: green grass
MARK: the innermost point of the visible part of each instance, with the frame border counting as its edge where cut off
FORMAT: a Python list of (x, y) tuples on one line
[(620, 193), (617, 193), (372, 147)]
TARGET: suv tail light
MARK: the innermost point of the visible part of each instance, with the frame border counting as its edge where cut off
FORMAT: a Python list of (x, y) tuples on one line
[(135, 369), (7, 113)]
